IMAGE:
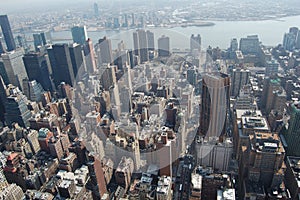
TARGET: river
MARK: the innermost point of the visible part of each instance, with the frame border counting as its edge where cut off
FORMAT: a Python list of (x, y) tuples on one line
[(270, 33)]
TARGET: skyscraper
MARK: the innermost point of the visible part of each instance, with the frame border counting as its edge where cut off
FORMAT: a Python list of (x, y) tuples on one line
[(214, 104), (77, 59), (89, 54), (240, 78), (104, 46), (195, 42), (37, 40), (249, 45), (62, 70), (163, 46), (79, 34), (37, 66), (14, 66), (96, 10), (16, 108), (150, 40), (140, 41), (7, 33)]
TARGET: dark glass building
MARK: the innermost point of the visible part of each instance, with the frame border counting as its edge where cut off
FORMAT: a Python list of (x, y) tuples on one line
[(7, 33), (60, 59), (37, 66)]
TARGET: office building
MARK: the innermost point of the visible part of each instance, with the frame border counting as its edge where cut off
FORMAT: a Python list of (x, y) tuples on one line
[(214, 104), (37, 41), (292, 178), (150, 40), (16, 108), (195, 43), (32, 90), (163, 46), (97, 177), (140, 42), (292, 136), (60, 59), (272, 68), (79, 34), (38, 68), (7, 33), (215, 154), (14, 67), (89, 55), (289, 41), (96, 10), (240, 78), (262, 160), (77, 59), (104, 46), (250, 45)]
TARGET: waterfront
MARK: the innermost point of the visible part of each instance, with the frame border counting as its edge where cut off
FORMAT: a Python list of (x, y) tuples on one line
[(270, 33)]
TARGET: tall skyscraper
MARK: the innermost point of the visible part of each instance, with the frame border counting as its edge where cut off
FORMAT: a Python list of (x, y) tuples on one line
[(289, 41), (7, 33), (195, 42), (163, 46), (96, 10), (14, 67), (214, 104), (37, 66), (104, 46), (77, 59), (79, 34), (140, 41), (89, 54), (37, 40), (150, 40), (60, 59)]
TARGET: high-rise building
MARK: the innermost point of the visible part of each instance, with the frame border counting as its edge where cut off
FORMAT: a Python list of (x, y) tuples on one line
[(60, 59), (79, 34), (140, 41), (195, 42), (96, 10), (7, 33), (104, 46), (164, 187), (250, 45), (262, 160), (77, 59), (292, 136), (14, 67), (150, 40), (37, 67), (163, 46), (3, 96), (97, 177), (289, 41), (240, 77), (214, 104), (32, 90), (16, 108), (37, 40), (89, 54)]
